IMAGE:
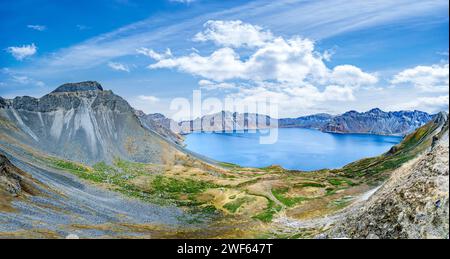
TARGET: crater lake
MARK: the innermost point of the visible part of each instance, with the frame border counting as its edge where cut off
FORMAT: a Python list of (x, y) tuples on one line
[(296, 148)]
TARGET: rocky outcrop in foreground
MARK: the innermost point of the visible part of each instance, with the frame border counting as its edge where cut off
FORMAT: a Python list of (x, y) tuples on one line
[(13, 180), (413, 203)]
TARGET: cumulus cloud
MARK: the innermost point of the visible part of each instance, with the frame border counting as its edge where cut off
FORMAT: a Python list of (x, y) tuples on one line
[(37, 27), (287, 71), (148, 98), (233, 34), (119, 66), (352, 76), (291, 60), (22, 52), (430, 104), (291, 99), (433, 78), (280, 60), (221, 65)]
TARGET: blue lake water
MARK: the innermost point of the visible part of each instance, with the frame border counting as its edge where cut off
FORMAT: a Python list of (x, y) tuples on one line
[(301, 149)]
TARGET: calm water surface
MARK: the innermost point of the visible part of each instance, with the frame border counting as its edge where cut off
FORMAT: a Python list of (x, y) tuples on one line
[(301, 149)]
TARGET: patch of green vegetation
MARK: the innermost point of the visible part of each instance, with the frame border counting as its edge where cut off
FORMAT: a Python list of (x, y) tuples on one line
[(249, 182), (269, 212), (273, 169), (229, 165), (279, 193), (67, 165), (227, 176), (236, 204), (163, 190), (209, 209), (130, 167), (342, 202), (161, 184), (317, 185), (340, 181), (330, 191)]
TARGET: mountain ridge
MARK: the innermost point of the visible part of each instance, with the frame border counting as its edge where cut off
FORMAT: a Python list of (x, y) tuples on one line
[(374, 121), (81, 122)]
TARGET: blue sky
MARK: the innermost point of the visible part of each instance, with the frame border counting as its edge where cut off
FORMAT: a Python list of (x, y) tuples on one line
[(308, 56)]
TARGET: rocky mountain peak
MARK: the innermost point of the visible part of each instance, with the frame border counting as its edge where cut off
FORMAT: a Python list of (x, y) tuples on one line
[(376, 111), (79, 87)]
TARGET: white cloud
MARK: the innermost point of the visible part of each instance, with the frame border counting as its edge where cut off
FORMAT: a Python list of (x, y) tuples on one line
[(352, 76), (118, 66), (37, 27), (153, 54), (276, 59), (307, 18), (433, 78), (293, 100), (221, 65), (22, 52), (21, 79), (25, 80), (209, 85), (289, 72), (148, 98), (233, 34), (430, 104)]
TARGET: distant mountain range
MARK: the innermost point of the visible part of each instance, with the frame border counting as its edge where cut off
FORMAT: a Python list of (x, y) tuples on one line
[(374, 121)]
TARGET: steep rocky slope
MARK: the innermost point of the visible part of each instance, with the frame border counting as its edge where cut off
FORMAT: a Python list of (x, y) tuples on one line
[(81, 122), (161, 125), (413, 203), (377, 121)]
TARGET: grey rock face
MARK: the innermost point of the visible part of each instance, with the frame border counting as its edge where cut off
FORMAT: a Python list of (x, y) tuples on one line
[(376, 121), (82, 124)]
